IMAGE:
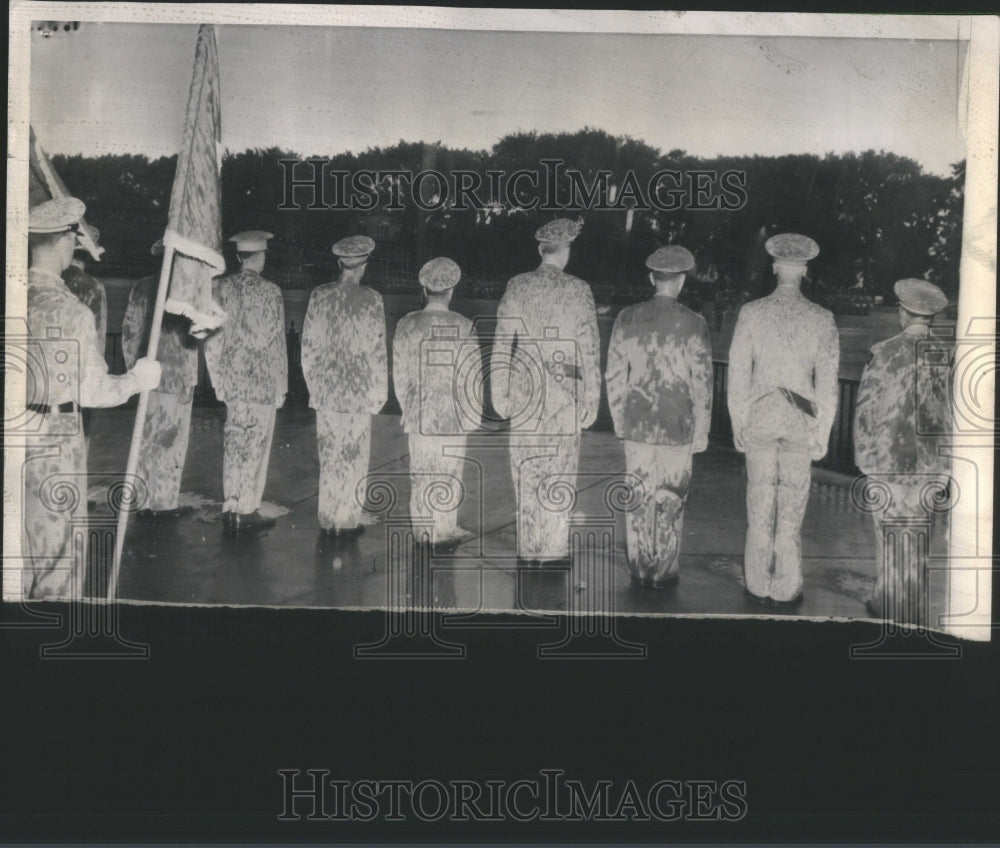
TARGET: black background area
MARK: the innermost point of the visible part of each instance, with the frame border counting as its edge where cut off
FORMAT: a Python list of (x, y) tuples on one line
[(187, 744)]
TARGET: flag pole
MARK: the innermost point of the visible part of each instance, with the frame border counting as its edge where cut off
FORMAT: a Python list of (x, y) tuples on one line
[(140, 422)]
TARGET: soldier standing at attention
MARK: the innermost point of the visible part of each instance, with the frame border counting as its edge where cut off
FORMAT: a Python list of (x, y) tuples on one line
[(247, 359), (168, 416), (903, 409), (546, 378), (431, 348), (783, 365), (659, 379), (345, 365), (75, 376), (90, 292)]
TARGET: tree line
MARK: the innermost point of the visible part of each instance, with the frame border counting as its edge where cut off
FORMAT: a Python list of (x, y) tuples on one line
[(877, 216)]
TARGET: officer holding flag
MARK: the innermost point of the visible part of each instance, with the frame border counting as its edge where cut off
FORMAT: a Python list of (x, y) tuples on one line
[(73, 376)]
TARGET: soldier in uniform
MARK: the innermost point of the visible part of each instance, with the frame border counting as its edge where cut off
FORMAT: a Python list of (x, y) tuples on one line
[(168, 416), (546, 378), (345, 365), (75, 376), (432, 351), (248, 362), (89, 291), (659, 379), (783, 365), (902, 409)]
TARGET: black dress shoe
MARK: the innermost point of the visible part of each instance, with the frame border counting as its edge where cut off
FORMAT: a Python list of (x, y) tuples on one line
[(254, 521), (759, 600), (155, 516), (791, 603), (647, 583)]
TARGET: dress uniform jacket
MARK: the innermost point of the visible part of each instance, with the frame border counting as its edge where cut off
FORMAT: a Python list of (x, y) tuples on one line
[(903, 411), (781, 342), (432, 351), (903, 406), (91, 294), (345, 365), (784, 341), (247, 356), (55, 473), (344, 357), (659, 375), (551, 318), (437, 375), (177, 352), (168, 415), (659, 380), (547, 380)]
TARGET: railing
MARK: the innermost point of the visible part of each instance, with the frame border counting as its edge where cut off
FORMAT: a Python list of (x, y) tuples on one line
[(840, 453)]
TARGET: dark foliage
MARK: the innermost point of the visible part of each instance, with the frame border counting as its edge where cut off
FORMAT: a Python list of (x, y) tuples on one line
[(877, 216)]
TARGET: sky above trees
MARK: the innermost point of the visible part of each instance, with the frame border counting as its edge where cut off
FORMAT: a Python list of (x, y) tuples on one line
[(121, 88)]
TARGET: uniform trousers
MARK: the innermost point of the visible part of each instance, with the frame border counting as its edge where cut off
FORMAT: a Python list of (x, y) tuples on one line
[(901, 551), (164, 447), (247, 449), (543, 469), (779, 468), (436, 490), (55, 508), (344, 442), (653, 529)]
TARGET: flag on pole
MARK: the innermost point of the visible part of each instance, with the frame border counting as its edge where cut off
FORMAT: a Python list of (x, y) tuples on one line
[(194, 223), (44, 184), (192, 244)]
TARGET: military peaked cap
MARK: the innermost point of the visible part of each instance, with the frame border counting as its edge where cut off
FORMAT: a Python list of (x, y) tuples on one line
[(354, 247), (792, 247), (559, 231), (440, 274), (920, 297), (56, 215), (671, 260), (251, 241)]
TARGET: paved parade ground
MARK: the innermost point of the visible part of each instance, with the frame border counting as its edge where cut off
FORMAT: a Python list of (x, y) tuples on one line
[(294, 565)]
